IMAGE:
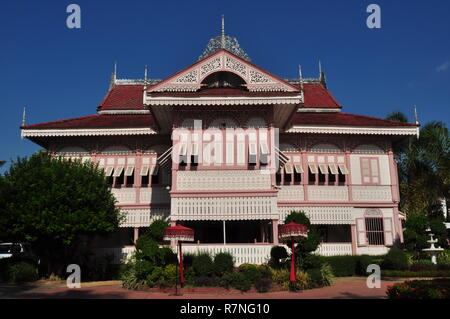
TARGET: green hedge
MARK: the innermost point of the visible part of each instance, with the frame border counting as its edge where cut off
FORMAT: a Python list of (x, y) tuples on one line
[(410, 273), (344, 266)]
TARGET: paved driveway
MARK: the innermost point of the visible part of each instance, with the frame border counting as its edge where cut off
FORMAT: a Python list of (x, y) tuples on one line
[(343, 288)]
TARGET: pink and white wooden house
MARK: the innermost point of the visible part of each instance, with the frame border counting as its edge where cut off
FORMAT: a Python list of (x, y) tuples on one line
[(229, 149)]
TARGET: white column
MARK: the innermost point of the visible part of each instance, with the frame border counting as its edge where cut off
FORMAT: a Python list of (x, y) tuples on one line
[(224, 233)]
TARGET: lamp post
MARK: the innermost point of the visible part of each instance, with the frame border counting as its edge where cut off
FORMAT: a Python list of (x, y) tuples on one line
[(179, 233), (291, 232)]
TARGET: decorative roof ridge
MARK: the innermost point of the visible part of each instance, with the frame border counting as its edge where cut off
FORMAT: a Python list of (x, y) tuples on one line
[(304, 80)]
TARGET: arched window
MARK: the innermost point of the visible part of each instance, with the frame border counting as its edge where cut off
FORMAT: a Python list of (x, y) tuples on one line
[(367, 149), (224, 80)]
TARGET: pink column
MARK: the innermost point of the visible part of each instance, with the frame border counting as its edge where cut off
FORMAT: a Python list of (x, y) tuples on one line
[(275, 231), (353, 233)]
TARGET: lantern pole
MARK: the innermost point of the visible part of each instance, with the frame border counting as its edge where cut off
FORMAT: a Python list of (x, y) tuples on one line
[(176, 281), (181, 266), (292, 276)]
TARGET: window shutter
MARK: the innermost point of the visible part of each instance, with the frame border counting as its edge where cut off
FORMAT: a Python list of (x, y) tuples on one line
[(388, 233), (361, 232), (144, 170), (129, 170), (118, 171)]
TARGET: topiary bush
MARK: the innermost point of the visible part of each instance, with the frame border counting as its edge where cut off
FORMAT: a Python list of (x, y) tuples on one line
[(203, 265), (22, 272), (223, 263), (277, 253), (395, 259)]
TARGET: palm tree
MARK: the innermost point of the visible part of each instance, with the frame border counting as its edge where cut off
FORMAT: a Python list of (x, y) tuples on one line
[(424, 167)]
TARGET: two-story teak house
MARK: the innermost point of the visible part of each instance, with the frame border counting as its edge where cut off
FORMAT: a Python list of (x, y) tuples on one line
[(229, 149)]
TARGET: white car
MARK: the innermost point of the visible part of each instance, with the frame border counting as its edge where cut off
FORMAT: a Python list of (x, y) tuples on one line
[(20, 250)]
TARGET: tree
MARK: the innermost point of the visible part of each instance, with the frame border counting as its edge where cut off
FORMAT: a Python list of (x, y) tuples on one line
[(423, 168), (52, 203), (305, 245)]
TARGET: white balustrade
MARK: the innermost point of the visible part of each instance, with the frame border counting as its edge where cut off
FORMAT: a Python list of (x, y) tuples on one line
[(334, 249)]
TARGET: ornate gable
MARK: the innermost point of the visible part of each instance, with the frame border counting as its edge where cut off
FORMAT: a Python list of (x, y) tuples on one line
[(190, 79)]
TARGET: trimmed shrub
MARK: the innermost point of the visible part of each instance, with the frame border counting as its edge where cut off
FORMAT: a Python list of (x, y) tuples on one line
[(156, 230), (265, 271), (206, 281), (395, 259), (223, 263), (365, 260), (188, 259), (422, 264), (251, 272), (277, 253), (240, 281), (203, 265), (236, 280), (310, 261), (22, 272), (342, 266), (263, 284)]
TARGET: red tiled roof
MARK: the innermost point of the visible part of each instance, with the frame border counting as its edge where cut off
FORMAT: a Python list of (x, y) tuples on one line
[(98, 121), (129, 97), (316, 96), (343, 119), (123, 97)]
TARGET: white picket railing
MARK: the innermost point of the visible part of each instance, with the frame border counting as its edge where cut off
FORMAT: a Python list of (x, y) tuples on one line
[(242, 253), (334, 249)]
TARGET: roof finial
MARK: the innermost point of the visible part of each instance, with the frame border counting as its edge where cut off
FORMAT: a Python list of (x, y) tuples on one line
[(222, 35), (300, 76), (113, 79), (145, 77), (322, 77), (23, 116)]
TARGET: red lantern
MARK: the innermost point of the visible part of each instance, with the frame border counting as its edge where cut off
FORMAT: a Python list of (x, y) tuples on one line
[(179, 233), (291, 232)]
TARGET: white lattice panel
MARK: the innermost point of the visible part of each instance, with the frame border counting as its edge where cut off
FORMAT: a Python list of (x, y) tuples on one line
[(322, 215), (124, 195), (143, 217), (291, 193), (327, 193), (223, 208), (372, 193), (222, 180)]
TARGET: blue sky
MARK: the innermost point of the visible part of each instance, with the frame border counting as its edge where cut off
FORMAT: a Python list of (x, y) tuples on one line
[(60, 73)]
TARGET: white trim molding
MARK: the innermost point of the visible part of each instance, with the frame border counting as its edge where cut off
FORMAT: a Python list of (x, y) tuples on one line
[(318, 110), (223, 100), (86, 132), (124, 112), (323, 129)]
